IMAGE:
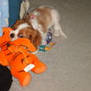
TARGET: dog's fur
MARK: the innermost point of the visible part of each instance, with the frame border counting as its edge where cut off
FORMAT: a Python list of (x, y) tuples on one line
[(36, 24)]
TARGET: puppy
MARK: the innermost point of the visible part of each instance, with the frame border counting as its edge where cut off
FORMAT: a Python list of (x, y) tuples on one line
[(36, 24)]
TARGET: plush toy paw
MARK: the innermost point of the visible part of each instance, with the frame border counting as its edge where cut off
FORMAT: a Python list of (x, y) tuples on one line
[(23, 77), (39, 68)]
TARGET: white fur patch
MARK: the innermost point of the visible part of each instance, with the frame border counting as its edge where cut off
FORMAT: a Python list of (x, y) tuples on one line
[(21, 27), (35, 23)]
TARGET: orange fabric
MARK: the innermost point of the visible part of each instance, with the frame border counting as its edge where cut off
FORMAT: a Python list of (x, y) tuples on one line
[(24, 42), (5, 38), (15, 54)]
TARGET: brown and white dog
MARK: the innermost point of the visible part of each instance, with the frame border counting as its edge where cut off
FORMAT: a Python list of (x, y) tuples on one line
[(36, 24)]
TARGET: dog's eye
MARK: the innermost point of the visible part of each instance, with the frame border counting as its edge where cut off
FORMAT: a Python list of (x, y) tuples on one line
[(20, 36), (30, 36)]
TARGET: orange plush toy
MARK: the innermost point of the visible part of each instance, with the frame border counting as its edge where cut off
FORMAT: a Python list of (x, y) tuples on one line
[(16, 54)]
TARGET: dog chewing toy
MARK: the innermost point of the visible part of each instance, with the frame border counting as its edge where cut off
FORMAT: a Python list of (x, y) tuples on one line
[(16, 54)]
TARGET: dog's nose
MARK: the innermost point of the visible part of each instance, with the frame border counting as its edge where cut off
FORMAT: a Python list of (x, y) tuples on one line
[(12, 35)]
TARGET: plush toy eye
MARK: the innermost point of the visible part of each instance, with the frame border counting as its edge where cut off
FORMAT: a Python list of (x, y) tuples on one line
[(20, 36)]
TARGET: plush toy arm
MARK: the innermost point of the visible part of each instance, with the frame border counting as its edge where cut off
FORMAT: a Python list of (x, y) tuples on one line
[(25, 43)]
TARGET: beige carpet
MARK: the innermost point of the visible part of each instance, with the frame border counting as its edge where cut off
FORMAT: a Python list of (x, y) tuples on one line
[(69, 62)]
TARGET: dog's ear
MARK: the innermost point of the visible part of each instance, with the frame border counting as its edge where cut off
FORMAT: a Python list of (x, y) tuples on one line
[(35, 38)]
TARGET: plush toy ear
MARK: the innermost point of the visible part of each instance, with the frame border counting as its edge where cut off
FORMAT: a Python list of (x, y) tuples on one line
[(7, 29), (5, 37), (24, 42)]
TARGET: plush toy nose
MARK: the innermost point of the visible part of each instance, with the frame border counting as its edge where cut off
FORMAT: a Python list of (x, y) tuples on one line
[(12, 35)]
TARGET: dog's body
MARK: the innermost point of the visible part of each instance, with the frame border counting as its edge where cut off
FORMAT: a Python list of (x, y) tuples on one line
[(36, 24)]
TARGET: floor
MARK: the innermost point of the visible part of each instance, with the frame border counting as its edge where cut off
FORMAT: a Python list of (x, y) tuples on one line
[(69, 61)]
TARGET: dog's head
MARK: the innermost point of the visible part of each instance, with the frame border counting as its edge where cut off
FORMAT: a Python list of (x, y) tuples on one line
[(22, 29)]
